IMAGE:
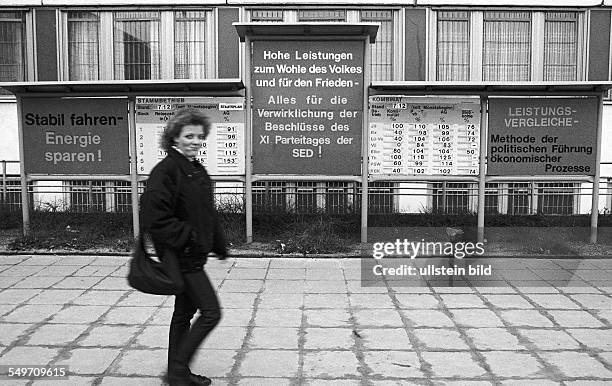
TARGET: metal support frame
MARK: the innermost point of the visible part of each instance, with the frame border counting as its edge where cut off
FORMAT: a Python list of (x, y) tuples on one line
[(133, 165), (365, 141), (248, 167), (595, 196), (25, 198), (484, 114)]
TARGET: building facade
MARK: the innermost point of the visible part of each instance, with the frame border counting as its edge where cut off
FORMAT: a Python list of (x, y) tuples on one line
[(421, 40)]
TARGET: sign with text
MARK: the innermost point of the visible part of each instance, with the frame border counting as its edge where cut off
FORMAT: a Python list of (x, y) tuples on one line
[(307, 106), (222, 152), (537, 136), (75, 136), (423, 136)]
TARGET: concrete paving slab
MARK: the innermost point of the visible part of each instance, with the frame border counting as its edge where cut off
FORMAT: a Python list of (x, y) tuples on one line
[(528, 318), (88, 360), (128, 315), (378, 318), (574, 319), (493, 339), (331, 364), (513, 364), (416, 301), (473, 317), (269, 363), (593, 338), (141, 363), (12, 331), (328, 339), (79, 314), (235, 317), (437, 339), (267, 338), (56, 334), (32, 313), (327, 317), (576, 364), (17, 296), (22, 355), (428, 318), (508, 301), (230, 338), (55, 296), (277, 317), (37, 282), (393, 364), (78, 282), (549, 339), (453, 364), (385, 339), (109, 336)]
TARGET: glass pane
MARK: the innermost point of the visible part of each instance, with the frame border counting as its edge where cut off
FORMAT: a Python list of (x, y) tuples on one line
[(382, 49), (136, 45), (507, 46), (453, 60), (267, 15), (12, 46), (561, 46), (83, 51), (321, 15), (190, 45)]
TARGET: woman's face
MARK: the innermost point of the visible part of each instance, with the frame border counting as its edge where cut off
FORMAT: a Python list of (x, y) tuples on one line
[(190, 140)]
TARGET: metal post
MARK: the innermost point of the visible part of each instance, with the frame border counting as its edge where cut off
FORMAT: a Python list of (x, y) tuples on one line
[(443, 197), (248, 183), (25, 198), (365, 142), (595, 196), (133, 165), (3, 181), (481, 168)]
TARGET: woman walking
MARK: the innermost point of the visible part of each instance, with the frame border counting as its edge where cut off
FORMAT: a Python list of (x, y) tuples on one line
[(178, 212)]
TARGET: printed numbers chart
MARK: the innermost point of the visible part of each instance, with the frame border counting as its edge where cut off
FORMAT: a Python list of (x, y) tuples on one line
[(223, 151), (423, 136)]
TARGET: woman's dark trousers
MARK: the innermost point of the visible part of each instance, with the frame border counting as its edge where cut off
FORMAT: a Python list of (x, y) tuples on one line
[(198, 294)]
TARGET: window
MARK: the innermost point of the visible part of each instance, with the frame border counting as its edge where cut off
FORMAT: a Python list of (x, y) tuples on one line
[(269, 196), (453, 55), (561, 46), (382, 58), (451, 198), (83, 49), (267, 15), (556, 198), (491, 205), (135, 45), (305, 197), (318, 15), (382, 49), (506, 53), (87, 196), (380, 197), (508, 46), (12, 46), (190, 45), (337, 198), (519, 198)]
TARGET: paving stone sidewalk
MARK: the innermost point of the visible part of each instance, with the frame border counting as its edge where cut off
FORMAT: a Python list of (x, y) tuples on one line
[(313, 322)]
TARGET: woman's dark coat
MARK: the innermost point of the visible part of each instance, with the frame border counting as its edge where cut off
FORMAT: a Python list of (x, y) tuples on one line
[(177, 210)]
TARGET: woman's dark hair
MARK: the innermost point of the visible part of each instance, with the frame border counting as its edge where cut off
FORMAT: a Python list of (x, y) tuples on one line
[(183, 117)]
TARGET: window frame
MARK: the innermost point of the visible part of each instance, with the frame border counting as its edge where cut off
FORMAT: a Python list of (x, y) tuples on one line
[(106, 60), (353, 15), (476, 31), (29, 56)]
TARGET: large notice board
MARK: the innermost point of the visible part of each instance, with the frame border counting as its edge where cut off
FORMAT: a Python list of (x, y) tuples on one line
[(222, 153), (307, 106), (423, 136)]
